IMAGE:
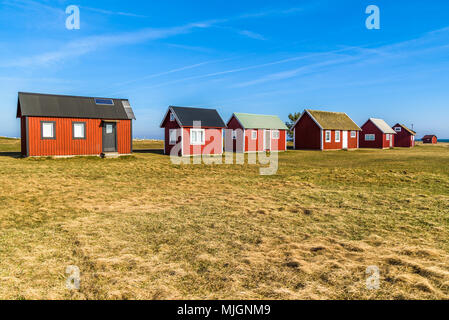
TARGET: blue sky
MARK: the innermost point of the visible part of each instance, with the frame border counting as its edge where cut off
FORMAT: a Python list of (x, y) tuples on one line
[(268, 57)]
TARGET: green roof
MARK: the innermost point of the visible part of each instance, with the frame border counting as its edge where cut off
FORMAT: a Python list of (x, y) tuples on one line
[(258, 121)]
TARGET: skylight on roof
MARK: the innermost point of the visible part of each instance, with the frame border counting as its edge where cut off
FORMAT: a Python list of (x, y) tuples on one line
[(104, 102)]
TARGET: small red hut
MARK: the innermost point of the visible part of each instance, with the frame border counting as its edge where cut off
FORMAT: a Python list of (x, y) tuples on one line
[(193, 131), (322, 130), (376, 133), (405, 137), (256, 133), (430, 139), (56, 125)]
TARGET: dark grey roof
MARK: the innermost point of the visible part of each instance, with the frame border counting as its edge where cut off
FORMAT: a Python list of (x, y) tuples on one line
[(58, 106), (208, 117)]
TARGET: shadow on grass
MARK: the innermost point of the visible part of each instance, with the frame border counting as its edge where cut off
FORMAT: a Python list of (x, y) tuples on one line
[(154, 151), (15, 155)]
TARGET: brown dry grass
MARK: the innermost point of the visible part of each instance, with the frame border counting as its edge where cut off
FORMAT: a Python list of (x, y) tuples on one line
[(142, 228)]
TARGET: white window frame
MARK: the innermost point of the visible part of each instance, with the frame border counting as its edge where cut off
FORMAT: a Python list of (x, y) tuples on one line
[(273, 137), (339, 136), (254, 135), (172, 117), (170, 133), (330, 136), (369, 135), (398, 129), (198, 143), (353, 134), (388, 137)]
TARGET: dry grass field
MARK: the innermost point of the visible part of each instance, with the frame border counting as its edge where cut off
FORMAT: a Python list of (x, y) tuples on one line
[(140, 227)]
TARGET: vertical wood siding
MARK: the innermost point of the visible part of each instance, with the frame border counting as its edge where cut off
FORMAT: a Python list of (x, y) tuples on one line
[(307, 134), (65, 145), (212, 146), (23, 133), (381, 140)]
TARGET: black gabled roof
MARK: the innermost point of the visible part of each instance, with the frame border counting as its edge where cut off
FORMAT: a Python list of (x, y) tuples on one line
[(208, 117), (59, 106)]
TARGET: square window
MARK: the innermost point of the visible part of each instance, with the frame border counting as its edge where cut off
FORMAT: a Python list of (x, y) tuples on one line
[(353, 134), (48, 130), (197, 137), (328, 136), (388, 137), (275, 135), (254, 135), (79, 130)]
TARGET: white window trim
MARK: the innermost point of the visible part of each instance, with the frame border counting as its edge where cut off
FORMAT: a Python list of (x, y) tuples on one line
[(83, 125), (370, 135), (252, 135), (272, 134), (170, 142), (353, 134), (330, 136), (398, 129), (195, 143), (388, 137), (172, 117), (53, 130), (339, 136)]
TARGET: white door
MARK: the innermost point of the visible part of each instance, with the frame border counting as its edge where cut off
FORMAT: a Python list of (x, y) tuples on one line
[(267, 140), (345, 139)]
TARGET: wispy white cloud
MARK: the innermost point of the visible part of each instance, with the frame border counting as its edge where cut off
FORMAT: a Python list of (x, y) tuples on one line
[(237, 70), (118, 13), (251, 34), (270, 12), (363, 56), (33, 6), (85, 45), (155, 75)]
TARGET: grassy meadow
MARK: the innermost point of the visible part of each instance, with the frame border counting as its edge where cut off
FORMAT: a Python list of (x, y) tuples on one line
[(139, 227)]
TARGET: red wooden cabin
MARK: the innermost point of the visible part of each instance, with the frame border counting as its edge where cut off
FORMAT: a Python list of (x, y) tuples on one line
[(255, 133), (193, 131), (430, 139), (405, 137), (56, 125), (322, 130), (376, 133)]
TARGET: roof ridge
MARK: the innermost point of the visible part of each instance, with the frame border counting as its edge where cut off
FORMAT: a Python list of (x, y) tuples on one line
[(203, 108), (68, 96), (257, 114), (340, 112)]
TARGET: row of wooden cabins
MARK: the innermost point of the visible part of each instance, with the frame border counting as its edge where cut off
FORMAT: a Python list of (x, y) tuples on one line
[(57, 125)]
